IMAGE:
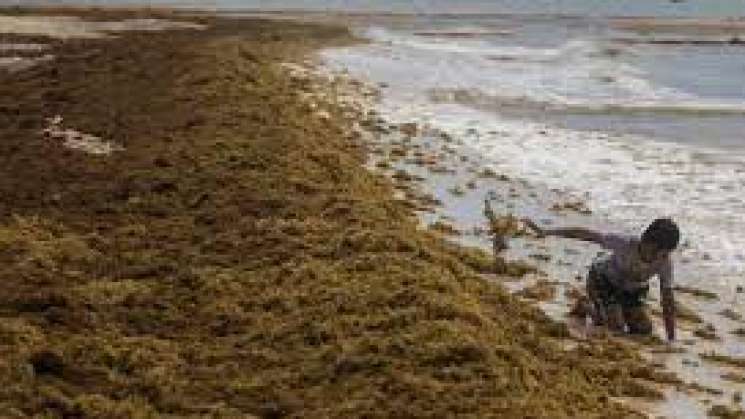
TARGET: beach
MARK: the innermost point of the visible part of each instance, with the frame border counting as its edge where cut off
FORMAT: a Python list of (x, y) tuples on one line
[(577, 129), (206, 216)]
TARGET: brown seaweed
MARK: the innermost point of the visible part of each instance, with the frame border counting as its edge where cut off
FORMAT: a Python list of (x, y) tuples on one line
[(237, 259)]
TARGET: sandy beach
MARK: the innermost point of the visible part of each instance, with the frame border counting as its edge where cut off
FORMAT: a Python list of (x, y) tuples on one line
[(457, 157), (198, 219)]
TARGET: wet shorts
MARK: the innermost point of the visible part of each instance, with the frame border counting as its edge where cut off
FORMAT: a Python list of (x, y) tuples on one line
[(602, 291)]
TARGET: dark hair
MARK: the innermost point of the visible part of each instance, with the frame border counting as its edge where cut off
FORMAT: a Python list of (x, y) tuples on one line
[(663, 232)]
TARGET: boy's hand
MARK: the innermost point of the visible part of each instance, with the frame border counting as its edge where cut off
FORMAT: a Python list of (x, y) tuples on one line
[(533, 226)]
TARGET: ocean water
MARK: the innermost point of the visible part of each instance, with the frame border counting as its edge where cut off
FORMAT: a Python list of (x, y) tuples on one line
[(693, 8)]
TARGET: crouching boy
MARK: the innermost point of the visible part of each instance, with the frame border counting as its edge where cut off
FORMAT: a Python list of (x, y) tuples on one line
[(617, 284)]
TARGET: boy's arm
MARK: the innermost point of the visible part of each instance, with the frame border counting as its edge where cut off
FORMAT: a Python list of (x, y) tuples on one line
[(577, 233), (668, 300)]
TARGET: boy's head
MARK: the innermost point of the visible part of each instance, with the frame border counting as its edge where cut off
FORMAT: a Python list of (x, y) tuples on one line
[(659, 239)]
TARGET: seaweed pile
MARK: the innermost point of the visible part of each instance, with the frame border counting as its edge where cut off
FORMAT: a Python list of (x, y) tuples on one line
[(236, 258)]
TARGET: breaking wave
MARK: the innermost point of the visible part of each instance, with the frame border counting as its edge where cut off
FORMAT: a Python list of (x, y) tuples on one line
[(483, 100), (586, 76)]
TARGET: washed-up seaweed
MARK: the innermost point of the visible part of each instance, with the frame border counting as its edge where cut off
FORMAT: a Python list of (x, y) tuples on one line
[(235, 258)]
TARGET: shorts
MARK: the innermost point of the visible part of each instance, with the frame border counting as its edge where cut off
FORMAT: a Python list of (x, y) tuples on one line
[(600, 288), (619, 309)]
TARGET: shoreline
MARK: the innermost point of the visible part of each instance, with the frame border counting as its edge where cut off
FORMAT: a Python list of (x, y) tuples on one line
[(446, 171), (447, 180), (244, 229)]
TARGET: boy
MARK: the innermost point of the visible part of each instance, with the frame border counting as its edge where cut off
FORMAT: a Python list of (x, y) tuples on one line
[(618, 283)]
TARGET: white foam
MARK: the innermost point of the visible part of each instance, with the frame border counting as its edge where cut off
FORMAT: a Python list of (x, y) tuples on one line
[(581, 74), (627, 179)]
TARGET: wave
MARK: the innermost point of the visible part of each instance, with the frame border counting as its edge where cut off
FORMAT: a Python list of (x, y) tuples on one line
[(592, 76), (584, 76), (562, 70), (424, 40), (460, 33), (482, 100)]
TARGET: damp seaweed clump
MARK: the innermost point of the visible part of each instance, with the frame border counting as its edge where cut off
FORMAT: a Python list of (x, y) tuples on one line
[(739, 332), (444, 228), (541, 290), (237, 259), (723, 359), (683, 313), (707, 332), (728, 313), (697, 292), (726, 412), (734, 377)]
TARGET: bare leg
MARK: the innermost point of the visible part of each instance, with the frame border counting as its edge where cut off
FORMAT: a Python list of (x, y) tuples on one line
[(595, 295)]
